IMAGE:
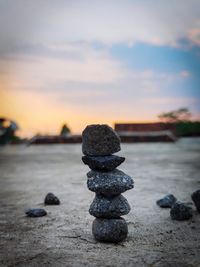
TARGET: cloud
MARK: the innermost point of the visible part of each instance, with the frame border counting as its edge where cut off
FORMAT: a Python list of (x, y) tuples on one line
[(55, 59), (173, 102), (185, 74), (107, 22), (194, 35), (84, 69)]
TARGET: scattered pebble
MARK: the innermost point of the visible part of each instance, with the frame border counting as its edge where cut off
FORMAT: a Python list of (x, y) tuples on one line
[(109, 183), (167, 201), (51, 199), (35, 212), (100, 140), (110, 230), (112, 207), (180, 211), (196, 199), (103, 163)]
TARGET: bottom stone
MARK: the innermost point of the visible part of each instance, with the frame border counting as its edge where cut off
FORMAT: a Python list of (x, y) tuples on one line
[(110, 230)]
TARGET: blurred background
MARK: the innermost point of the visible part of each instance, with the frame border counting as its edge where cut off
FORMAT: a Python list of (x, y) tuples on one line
[(83, 62)]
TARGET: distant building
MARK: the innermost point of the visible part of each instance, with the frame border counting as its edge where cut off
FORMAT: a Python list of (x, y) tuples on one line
[(55, 139), (146, 132)]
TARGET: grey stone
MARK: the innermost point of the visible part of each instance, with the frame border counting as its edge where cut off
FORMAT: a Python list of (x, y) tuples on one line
[(180, 211), (167, 201), (103, 163), (196, 199), (35, 212), (109, 207), (109, 183), (51, 199), (100, 140), (110, 230)]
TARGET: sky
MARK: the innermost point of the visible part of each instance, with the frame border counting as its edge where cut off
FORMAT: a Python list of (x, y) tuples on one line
[(83, 62)]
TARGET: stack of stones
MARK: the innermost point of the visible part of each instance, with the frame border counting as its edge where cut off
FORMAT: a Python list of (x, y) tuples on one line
[(99, 143)]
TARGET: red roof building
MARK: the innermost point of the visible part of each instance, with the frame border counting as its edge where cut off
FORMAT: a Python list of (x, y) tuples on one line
[(146, 132)]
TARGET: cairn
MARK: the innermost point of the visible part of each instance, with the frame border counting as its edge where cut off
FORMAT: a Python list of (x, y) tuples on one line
[(99, 144)]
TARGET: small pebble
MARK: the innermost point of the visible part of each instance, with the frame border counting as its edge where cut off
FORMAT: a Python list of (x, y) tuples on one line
[(196, 199), (167, 201), (110, 230), (35, 212), (51, 199), (180, 211)]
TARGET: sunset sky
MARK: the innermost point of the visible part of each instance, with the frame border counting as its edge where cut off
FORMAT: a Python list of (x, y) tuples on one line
[(83, 62)]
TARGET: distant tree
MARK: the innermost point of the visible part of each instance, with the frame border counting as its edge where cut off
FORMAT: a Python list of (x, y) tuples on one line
[(7, 131), (179, 115), (65, 131)]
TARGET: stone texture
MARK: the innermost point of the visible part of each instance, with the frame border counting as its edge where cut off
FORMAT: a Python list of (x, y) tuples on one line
[(196, 199), (100, 140), (180, 211), (110, 230), (167, 201), (35, 212), (51, 199), (103, 163), (109, 207), (109, 183)]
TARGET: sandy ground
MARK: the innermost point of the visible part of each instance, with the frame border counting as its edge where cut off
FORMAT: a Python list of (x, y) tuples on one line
[(64, 238)]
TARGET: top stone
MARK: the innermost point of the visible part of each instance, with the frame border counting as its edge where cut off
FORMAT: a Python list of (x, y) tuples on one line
[(100, 140)]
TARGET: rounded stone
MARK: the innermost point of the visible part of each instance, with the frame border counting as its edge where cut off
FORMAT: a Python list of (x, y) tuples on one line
[(35, 212), (180, 211), (103, 163), (109, 207), (167, 201), (196, 199), (110, 230), (109, 183), (51, 199), (100, 140)]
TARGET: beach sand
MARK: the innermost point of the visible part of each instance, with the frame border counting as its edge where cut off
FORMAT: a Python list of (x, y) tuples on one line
[(64, 238)]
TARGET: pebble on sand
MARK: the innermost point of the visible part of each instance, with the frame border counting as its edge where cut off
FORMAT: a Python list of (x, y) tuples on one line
[(180, 211), (167, 201), (51, 199), (100, 140), (35, 212)]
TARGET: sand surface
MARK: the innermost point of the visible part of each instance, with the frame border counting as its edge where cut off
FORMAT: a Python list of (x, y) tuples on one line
[(64, 238)]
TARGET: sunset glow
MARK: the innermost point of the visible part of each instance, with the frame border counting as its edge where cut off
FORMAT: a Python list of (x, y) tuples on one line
[(74, 63)]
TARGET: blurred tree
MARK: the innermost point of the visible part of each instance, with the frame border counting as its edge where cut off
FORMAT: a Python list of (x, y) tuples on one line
[(181, 119), (7, 131), (181, 114), (65, 131)]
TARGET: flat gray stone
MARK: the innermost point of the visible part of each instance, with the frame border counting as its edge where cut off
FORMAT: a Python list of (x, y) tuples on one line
[(36, 212), (110, 230), (109, 207), (109, 183), (100, 140), (103, 163)]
